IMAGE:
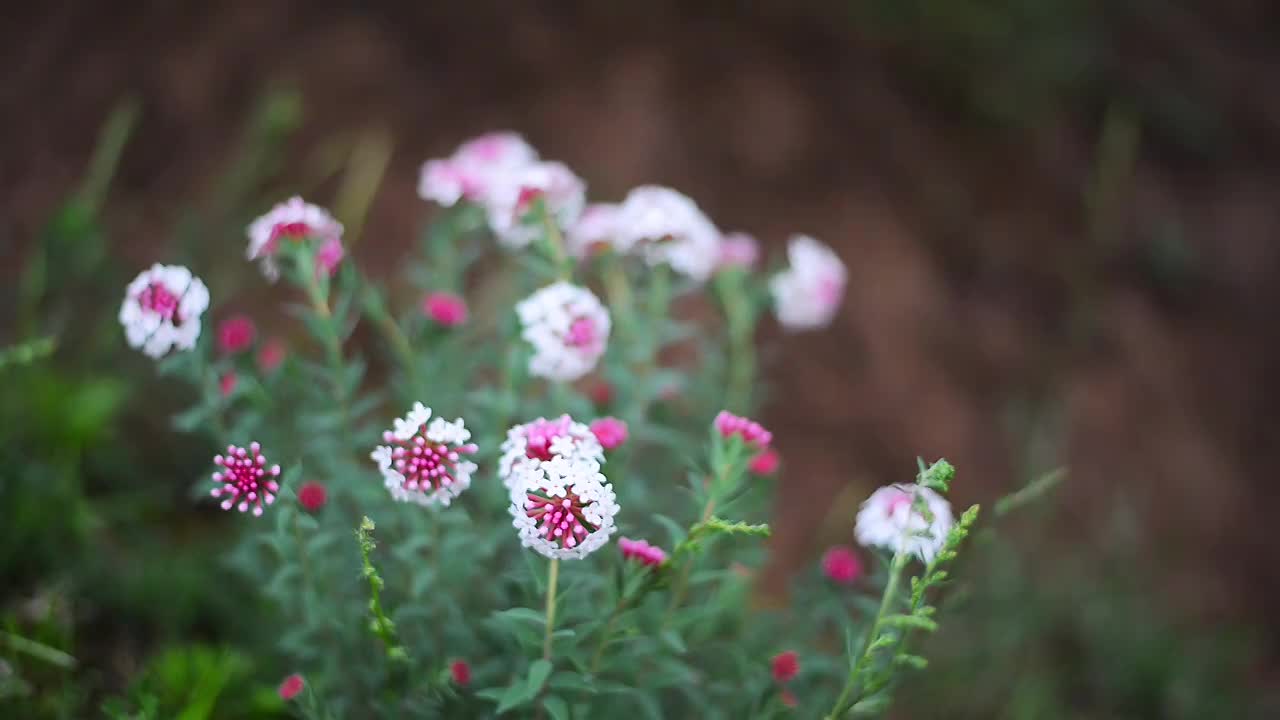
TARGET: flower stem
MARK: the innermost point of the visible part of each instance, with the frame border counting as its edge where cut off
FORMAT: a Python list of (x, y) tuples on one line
[(604, 635), (555, 239), (553, 574), (682, 582), (890, 593)]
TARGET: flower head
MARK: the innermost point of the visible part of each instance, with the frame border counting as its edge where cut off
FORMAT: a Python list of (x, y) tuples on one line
[(610, 431), (513, 195), (891, 520), (290, 687), (568, 329), (460, 671), (530, 445), (739, 250), (422, 462), (293, 220), (642, 551), (474, 168), (807, 294), (595, 230), (566, 510), (445, 309), (162, 308), (668, 228), (785, 666), (271, 355), (841, 565), (765, 462), (312, 496), (751, 432), (235, 334), (244, 480)]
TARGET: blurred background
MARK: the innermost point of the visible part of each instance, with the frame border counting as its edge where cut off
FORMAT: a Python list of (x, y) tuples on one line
[(1059, 219)]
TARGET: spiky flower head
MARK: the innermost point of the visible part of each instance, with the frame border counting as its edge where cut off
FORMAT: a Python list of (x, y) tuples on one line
[(531, 444), (244, 479), (567, 510), (422, 460)]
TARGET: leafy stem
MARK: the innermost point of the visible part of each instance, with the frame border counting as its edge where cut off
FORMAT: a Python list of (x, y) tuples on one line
[(553, 574), (380, 625)]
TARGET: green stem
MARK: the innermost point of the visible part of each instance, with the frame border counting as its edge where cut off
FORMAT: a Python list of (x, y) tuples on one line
[(890, 592), (682, 582), (319, 298), (553, 574), (39, 650), (559, 256), (604, 635)]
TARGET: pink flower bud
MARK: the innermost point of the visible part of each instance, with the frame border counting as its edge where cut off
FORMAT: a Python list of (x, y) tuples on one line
[(841, 565), (461, 672), (610, 431), (785, 665), (271, 355), (751, 432), (291, 686), (227, 384), (235, 334), (312, 496), (765, 463), (641, 550), (445, 309)]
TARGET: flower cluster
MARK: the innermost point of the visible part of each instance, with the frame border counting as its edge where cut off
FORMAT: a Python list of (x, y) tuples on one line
[(905, 518), (530, 445), (244, 480), (162, 308), (665, 227), (295, 221), (568, 328), (641, 551), (752, 433), (422, 460), (566, 510)]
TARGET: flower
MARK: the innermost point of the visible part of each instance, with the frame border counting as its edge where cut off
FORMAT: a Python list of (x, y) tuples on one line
[(227, 383), (765, 462), (290, 687), (294, 220), (329, 256), (566, 510), (739, 250), (807, 294), (668, 228), (751, 432), (641, 550), (529, 445), (445, 309), (601, 393), (785, 666), (890, 519), (595, 230), (841, 565), (513, 195), (568, 328), (312, 496), (162, 308), (610, 431), (245, 480), (461, 672), (235, 334), (271, 355), (422, 462), (473, 168)]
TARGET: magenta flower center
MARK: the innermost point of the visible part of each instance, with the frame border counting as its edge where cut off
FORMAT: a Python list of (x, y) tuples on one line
[(158, 299), (296, 231), (896, 502), (524, 201), (540, 434), (245, 479), (559, 519), (425, 465), (582, 333)]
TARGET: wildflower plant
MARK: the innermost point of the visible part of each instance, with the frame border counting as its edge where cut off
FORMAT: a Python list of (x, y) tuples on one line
[(586, 540)]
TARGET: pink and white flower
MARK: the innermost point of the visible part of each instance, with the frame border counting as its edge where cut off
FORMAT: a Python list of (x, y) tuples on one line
[(739, 250), (890, 520), (807, 294), (294, 220), (422, 460), (162, 308), (642, 551), (595, 230), (668, 228), (567, 513), (244, 480), (568, 328), (473, 170), (530, 445), (512, 196)]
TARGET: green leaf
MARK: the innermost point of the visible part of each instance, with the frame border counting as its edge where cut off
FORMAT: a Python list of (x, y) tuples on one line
[(556, 708), (514, 696), (539, 671), (524, 615), (672, 639), (911, 622)]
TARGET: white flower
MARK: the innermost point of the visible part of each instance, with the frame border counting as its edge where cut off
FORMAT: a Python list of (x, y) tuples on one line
[(596, 229), (889, 520), (512, 196), (422, 460), (807, 294), (162, 308), (530, 445), (295, 220), (569, 512), (473, 169), (668, 227), (568, 329)]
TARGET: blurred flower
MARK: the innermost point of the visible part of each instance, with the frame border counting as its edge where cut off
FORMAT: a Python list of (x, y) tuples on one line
[(751, 432), (765, 462), (595, 230), (785, 666), (329, 256), (740, 250), (610, 431), (421, 462), (668, 228), (271, 355), (312, 496), (890, 520), (567, 510), (474, 168), (294, 220), (514, 194), (641, 550), (461, 672), (291, 686), (227, 383), (245, 479), (568, 328), (529, 445), (445, 309), (841, 565), (807, 294), (601, 393), (235, 334), (162, 308)]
